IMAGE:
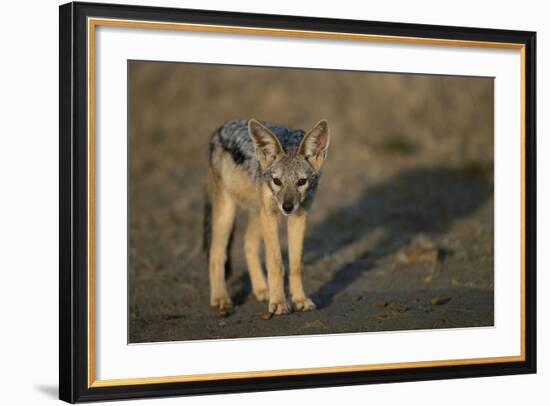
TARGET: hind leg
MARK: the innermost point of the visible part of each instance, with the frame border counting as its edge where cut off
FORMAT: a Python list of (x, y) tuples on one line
[(252, 241), (223, 216)]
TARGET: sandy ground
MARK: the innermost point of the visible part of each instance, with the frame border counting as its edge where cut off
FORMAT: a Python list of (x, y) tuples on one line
[(400, 235)]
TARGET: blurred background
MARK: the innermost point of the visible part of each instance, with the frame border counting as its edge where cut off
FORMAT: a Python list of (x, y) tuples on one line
[(400, 235)]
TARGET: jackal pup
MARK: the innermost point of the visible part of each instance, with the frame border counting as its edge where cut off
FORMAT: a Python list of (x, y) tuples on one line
[(268, 170)]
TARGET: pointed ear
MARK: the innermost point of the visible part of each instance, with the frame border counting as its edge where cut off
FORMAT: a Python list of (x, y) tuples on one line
[(314, 145), (267, 146)]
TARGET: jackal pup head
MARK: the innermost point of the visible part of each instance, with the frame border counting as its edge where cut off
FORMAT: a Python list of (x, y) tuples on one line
[(291, 173)]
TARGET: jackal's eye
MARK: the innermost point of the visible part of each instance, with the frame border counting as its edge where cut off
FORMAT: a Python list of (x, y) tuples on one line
[(277, 181), (301, 182)]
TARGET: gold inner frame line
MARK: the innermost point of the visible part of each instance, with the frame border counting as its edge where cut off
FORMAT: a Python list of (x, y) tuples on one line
[(94, 22)]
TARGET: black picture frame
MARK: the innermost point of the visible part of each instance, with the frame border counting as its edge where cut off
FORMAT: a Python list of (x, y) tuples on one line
[(73, 256)]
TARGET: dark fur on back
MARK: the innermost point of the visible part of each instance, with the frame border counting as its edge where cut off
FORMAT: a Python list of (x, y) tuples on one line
[(233, 137)]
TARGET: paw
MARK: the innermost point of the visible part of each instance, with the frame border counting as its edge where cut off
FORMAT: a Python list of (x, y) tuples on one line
[(281, 307), (221, 307), (304, 304), (262, 295)]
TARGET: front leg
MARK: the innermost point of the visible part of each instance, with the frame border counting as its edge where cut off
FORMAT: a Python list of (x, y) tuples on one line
[(274, 262), (296, 231)]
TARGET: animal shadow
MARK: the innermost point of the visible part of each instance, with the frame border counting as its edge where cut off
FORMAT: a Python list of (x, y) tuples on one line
[(422, 200)]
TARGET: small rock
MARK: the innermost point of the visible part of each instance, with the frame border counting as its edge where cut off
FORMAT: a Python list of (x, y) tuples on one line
[(221, 323), (439, 300), (220, 312), (380, 303), (356, 299), (314, 324), (421, 250)]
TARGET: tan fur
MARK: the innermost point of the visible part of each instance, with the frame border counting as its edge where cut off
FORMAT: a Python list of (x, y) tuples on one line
[(296, 231), (274, 262), (231, 186), (223, 215), (263, 222), (238, 183), (252, 245)]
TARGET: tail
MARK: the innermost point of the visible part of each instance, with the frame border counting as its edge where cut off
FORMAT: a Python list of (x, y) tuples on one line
[(207, 237)]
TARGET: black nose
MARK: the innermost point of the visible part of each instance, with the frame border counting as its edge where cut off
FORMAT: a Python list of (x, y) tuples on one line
[(288, 207)]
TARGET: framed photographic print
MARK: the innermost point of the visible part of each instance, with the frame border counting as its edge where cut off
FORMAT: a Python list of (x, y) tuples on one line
[(255, 202)]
